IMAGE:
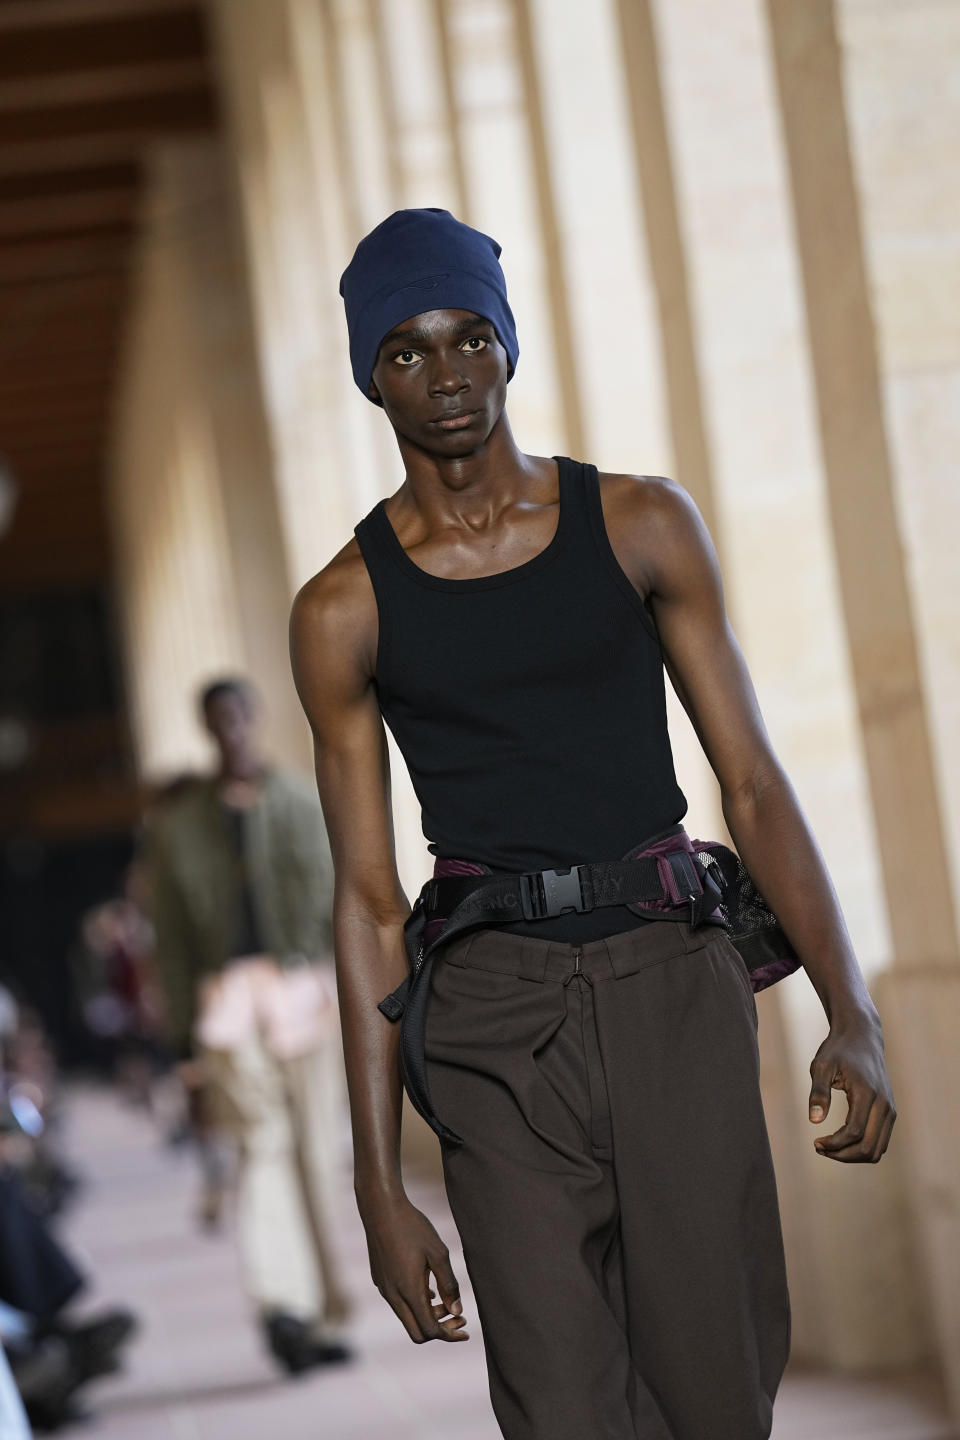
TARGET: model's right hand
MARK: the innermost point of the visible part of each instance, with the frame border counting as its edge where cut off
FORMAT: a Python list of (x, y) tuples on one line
[(405, 1250)]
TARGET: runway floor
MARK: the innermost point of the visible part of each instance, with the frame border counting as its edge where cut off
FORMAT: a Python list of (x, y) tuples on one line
[(197, 1370)]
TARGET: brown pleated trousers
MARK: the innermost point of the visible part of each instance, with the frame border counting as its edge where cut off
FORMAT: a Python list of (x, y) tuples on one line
[(615, 1192)]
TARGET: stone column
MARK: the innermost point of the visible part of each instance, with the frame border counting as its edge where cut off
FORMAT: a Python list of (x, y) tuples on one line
[(217, 302), (913, 239), (177, 596), (746, 307)]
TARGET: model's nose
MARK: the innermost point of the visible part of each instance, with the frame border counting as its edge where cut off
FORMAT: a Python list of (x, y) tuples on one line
[(447, 378)]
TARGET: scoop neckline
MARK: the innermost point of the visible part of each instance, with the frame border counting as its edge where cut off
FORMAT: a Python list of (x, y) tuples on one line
[(480, 582)]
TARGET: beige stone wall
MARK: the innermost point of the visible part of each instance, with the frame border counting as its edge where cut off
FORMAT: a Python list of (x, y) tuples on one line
[(650, 168), (904, 116)]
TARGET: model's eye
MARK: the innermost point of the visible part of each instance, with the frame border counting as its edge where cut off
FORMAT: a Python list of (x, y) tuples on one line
[(406, 357), (474, 345)]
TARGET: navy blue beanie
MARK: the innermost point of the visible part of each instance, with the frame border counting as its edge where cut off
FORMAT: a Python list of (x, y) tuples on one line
[(419, 260)]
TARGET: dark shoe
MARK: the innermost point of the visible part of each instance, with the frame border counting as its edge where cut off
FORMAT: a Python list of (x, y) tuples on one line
[(332, 1352), (46, 1377), (293, 1343), (94, 1344)]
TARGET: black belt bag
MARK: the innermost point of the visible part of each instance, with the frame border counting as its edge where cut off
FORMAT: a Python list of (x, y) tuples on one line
[(669, 877)]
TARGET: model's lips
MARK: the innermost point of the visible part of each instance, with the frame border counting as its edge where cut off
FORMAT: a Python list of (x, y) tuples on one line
[(456, 421)]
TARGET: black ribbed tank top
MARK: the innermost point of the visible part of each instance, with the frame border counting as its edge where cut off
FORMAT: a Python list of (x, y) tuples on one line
[(529, 706)]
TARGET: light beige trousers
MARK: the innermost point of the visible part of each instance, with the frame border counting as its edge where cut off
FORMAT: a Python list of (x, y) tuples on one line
[(284, 1114)]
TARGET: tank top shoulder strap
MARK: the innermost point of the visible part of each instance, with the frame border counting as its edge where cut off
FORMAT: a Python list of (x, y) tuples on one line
[(374, 541), (594, 530), (373, 537), (573, 496)]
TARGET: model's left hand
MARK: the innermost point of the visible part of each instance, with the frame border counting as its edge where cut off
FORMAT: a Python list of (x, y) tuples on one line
[(851, 1059)]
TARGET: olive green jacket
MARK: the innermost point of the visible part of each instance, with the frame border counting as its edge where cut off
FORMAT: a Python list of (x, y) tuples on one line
[(195, 883)]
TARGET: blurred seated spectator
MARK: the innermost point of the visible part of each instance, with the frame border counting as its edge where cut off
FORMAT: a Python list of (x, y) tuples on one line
[(28, 1108), (13, 1418), (119, 996), (51, 1352)]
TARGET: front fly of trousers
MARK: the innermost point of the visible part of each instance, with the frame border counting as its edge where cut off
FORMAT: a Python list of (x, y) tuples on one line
[(615, 1192)]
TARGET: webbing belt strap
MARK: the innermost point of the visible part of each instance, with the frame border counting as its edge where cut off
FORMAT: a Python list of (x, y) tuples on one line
[(450, 905)]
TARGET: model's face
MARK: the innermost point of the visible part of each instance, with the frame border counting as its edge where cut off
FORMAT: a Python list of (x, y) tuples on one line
[(442, 380)]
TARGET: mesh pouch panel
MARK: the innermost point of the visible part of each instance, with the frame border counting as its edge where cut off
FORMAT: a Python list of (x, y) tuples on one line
[(752, 925)]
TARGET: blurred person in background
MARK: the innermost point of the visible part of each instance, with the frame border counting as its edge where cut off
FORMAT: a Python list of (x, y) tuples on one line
[(51, 1350), (184, 1109), (241, 881), (13, 1418), (592, 1070), (115, 979), (30, 1134)]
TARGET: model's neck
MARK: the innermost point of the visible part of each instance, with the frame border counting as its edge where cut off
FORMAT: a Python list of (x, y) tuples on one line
[(494, 471)]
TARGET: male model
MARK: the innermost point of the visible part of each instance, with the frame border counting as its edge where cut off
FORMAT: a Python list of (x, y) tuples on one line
[(510, 617)]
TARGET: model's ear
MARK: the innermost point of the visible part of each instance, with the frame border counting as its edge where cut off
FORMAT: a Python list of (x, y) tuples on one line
[(374, 394)]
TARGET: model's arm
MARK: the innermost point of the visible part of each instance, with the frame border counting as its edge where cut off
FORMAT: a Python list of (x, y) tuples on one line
[(664, 545), (333, 642)]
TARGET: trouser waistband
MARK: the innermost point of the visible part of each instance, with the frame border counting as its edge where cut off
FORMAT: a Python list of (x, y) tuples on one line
[(550, 960)]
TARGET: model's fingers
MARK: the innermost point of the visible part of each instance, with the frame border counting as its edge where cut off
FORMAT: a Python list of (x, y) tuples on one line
[(447, 1287), (886, 1133), (441, 1312), (876, 1124), (420, 1306), (453, 1330), (875, 1140), (407, 1318), (821, 1073), (857, 1139), (860, 1098)]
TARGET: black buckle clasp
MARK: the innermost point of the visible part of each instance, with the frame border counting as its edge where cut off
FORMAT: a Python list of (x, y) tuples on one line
[(694, 886), (545, 894)]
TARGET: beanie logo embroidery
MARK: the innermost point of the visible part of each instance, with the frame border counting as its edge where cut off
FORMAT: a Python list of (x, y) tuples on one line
[(432, 282)]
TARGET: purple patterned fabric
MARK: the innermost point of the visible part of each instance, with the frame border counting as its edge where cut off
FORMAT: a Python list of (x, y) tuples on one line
[(441, 866), (444, 866), (766, 975)]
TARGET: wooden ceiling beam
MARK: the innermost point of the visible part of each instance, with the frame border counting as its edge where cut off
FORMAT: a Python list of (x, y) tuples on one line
[(66, 392), (64, 452), (148, 77), (26, 437), (82, 478), (93, 42), (76, 152), (60, 353), (31, 14), (53, 214), (86, 87), (140, 116), (43, 388), (71, 257), (124, 175), (44, 236), (38, 491), (21, 320), (68, 406)]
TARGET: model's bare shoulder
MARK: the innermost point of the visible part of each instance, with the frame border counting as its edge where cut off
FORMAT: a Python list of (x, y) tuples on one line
[(339, 589), (653, 526), (636, 501), (334, 624)]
